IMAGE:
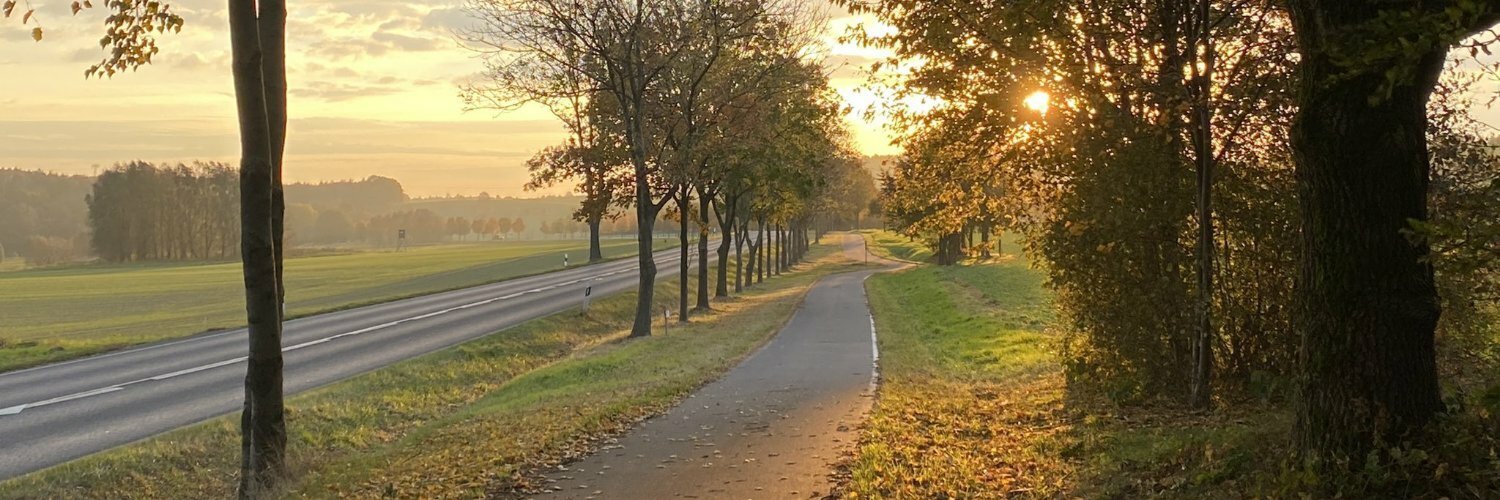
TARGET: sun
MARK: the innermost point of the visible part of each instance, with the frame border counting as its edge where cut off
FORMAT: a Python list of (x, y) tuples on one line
[(1038, 101)]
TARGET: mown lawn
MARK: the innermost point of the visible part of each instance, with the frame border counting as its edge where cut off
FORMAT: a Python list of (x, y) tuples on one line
[(465, 422), (54, 314)]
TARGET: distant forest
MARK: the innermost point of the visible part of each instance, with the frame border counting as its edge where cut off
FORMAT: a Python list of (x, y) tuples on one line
[(143, 211)]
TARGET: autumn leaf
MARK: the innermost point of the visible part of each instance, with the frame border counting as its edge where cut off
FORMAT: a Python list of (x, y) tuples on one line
[(8, 6), (36, 34)]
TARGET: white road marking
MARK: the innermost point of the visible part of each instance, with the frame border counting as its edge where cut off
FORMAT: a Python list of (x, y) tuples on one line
[(17, 409), (874, 341)]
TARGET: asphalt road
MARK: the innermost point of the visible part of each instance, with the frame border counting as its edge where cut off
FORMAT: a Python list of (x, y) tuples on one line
[(773, 427), (55, 413)]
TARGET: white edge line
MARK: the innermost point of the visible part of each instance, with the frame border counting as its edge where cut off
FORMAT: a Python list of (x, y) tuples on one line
[(874, 340), (17, 409)]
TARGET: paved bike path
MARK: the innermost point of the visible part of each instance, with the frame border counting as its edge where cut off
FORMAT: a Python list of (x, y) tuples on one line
[(773, 427)]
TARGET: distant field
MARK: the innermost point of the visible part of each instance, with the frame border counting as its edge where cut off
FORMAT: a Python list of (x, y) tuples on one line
[(53, 314), (12, 264)]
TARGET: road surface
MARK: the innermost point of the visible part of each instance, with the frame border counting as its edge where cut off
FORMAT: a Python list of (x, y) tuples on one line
[(55, 413), (773, 427)]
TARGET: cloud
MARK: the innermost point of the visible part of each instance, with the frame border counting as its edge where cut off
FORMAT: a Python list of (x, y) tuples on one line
[(406, 42), (447, 20), (335, 92)]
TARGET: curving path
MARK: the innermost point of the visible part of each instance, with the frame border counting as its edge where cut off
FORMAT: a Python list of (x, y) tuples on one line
[(773, 427)]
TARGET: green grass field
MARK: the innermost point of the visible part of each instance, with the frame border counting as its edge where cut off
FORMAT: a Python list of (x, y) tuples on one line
[(52, 314), (466, 422), (12, 264)]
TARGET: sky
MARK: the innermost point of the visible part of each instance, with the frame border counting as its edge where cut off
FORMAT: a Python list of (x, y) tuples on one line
[(373, 91)]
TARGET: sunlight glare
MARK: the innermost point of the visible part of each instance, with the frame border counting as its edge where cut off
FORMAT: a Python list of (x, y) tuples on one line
[(1038, 101)]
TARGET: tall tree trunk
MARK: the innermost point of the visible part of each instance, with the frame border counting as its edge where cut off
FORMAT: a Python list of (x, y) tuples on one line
[(1367, 305), (779, 235), (727, 239), (645, 220), (739, 256), (263, 383), (1200, 88), (682, 262), (703, 215), (984, 240), (762, 249), (596, 251)]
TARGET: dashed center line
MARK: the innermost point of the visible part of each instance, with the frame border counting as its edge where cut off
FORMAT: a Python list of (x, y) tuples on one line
[(13, 410)]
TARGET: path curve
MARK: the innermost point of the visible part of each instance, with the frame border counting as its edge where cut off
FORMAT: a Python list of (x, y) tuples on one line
[(775, 426)]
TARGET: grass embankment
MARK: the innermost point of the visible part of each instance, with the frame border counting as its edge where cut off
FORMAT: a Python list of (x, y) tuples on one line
[(463, 422), (896, 247), (973, 403), (49, 315)]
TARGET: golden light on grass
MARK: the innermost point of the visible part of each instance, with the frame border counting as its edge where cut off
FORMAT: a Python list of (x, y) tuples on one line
[(1038, 101)]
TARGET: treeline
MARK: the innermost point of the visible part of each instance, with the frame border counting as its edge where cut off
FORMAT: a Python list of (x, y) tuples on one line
[(730, 126), (139, 211), (357, 198), (1204, 246), (42, 216)]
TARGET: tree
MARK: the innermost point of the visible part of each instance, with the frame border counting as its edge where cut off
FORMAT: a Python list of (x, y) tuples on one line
[(129, 31), (257, 36), (500, 225), (518, 226), (1367, 301), (646, 59)]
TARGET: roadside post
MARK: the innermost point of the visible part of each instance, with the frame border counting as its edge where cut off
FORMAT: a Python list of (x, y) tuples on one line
[(565, 260), (587, 291), (666, 319)]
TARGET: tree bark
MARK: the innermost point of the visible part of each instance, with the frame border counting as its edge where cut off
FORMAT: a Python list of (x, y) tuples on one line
[(596, 251), (739, 257), (263, 381), (728, 239), (703, 215), (1200, 88), (779, 233), (984, 240), (762, 249), (1367, 305), (682, 252), (645, 219)]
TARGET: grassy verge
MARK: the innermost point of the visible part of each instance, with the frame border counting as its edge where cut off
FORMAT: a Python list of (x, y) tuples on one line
[(974, 404), (969, 387), (53, 314), (895, 247), (463, 422)]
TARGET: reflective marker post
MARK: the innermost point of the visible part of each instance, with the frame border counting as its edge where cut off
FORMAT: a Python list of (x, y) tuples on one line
[(587, 291)]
